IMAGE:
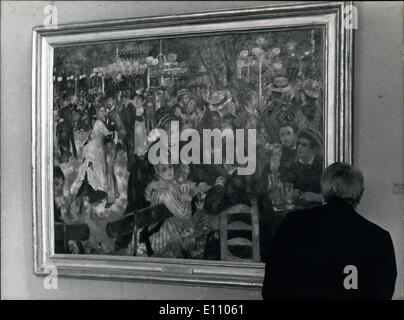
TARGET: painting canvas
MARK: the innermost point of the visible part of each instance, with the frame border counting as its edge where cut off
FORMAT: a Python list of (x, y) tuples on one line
[(173, 153), (108, 98)]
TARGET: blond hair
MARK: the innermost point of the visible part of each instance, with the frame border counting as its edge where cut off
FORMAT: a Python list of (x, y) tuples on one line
[(343, 181)]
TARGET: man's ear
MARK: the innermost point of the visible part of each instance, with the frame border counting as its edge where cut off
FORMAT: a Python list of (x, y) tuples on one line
[(360, 196)]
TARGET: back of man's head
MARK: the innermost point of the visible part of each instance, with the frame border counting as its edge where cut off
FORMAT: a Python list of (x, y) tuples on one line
[(342, 181)]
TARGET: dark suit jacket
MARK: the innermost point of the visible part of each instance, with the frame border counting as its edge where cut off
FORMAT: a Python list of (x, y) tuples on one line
[(312, 247), (304, 177), (128, 118), (65, 128), (128, 114)]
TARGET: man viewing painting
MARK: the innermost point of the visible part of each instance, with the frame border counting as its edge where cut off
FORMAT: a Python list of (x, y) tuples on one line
[(268, 82)]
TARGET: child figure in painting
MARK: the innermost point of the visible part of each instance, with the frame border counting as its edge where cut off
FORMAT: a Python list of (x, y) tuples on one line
[(194, 241), (64, 212), (96, 217)]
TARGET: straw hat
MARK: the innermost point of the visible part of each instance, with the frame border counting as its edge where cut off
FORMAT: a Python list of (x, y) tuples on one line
[(312, 88), (221, 101), (313, 135), (281, 84), (217, 98), (182, 92)]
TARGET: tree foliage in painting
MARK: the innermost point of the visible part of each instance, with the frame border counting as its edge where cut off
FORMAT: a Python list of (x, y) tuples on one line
[(219, 56)]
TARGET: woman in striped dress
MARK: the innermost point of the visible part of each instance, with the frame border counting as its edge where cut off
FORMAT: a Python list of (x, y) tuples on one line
[(169, 240)]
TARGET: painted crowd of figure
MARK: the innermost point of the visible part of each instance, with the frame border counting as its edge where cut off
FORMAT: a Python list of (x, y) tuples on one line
[(116, 126)]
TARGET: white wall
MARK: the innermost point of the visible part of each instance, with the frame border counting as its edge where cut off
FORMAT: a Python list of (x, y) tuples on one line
[(378, 117), (378, 139)]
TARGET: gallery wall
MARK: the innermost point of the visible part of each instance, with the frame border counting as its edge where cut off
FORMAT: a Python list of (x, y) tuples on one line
[(378, 139)]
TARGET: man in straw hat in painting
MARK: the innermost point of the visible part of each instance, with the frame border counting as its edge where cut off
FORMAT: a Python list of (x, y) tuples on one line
[(311, 93), (312, 88), (183, 98), (221, 101)]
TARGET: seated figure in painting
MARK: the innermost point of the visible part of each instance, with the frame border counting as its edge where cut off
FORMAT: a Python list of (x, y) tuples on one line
[(175, 236), (96, 216), (65, 212), (230, 189), (60, 214), (162, 187), (287, 135), (167, 238), (60, 204), (141, 170), (306, 172)]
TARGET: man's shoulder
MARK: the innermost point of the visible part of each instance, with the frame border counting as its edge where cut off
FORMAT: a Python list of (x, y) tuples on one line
[(372, 228), (301, 221), (306, 214), (323, 214)]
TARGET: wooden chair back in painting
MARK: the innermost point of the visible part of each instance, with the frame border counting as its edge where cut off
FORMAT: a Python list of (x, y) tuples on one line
[(239, 233)]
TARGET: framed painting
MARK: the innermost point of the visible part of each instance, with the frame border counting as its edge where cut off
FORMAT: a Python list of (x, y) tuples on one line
[(169, 148)]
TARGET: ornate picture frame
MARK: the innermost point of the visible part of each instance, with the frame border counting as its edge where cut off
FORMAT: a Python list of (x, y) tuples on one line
[(334, 43)]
